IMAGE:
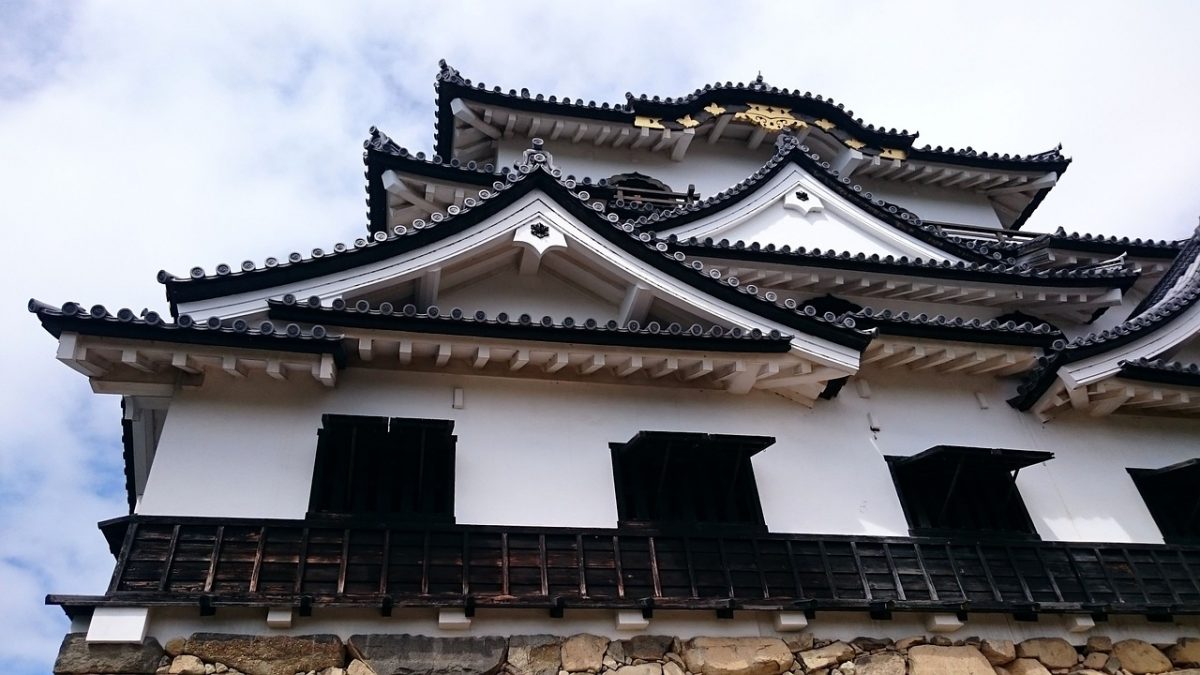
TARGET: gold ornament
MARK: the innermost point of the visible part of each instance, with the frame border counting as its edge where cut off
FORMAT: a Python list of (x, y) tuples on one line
[(648, 122), (769, 117), (687, 122)]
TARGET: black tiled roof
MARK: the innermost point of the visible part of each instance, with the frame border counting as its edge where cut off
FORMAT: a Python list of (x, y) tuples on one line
[(149, 325), (1163, 371), (940, 327), (525, 327), (1099, 243), (535, 171), (1166, 302), (450, 84), (788, 151), (903, 265)]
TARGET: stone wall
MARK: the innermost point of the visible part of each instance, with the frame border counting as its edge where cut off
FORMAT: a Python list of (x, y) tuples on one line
[(384, 654)]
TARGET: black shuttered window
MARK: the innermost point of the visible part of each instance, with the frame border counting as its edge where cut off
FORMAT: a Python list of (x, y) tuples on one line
[(384, 469)]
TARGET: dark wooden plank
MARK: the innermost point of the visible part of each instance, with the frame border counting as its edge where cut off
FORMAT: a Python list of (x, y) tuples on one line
[(218, 539), (655, 579), (504, 576), (543, 565), (169, 559), (344, 562), (862, 575), (258, 559), (620, 568), (582, 561), (891, 563)]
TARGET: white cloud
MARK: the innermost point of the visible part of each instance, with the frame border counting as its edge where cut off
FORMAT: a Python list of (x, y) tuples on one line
[(141, 135)]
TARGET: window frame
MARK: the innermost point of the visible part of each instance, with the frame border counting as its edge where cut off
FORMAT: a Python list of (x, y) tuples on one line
[(998, 459), (324, 460), (1143, 479), (647, 441)]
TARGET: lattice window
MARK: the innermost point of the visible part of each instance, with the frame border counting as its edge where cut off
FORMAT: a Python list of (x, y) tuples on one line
[(1172, 494), (397, 468), (683, 480), (962, 491)]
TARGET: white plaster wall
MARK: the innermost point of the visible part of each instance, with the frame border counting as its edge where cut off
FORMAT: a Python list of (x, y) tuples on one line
[(537, 295), (711, 168), (937, 204), (536, 453), (825, 230)]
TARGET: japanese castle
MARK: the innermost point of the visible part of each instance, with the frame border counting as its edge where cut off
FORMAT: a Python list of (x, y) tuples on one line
[(733, 383)]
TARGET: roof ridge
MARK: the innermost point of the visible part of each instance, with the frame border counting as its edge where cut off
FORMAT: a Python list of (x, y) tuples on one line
[(534, 161), (1016, 269)]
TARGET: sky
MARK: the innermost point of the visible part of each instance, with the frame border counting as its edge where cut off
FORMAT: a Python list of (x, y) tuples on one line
[(143, 136)]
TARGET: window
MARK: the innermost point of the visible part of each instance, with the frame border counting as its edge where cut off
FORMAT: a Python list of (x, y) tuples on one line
[(969, 491), (1172, 495), (684, 480), (384, 468)]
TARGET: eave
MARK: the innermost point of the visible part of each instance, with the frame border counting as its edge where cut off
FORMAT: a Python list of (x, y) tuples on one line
[(125, 354), (1168, 317), (735, 361)]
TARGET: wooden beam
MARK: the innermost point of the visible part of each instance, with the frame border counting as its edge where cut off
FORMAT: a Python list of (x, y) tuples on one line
[(535, 125), (325, 370), (366, 350), (481, 357), (463, 112), (682, 142), (556, 130), (663, 141), (395, 186), (635, 305), (814, 376), (519, 360), (756, 138), (1108, 402), (591, 364), (666, 367), (181, 361), (233, 366), (643, 137), (427, 288), (442, 357), (509, 124), (404, 352), (136, 360), (276, 369), (628, 367), (602, 135), (718, 128), (697, 370), (556, 362), (580, 131), (622, 138)]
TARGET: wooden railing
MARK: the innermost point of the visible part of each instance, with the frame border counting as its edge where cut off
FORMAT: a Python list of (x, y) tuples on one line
[(214, 562)]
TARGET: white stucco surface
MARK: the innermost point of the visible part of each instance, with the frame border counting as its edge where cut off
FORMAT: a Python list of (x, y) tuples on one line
[(936, 204), (711, 168), (537, 295), (536, 452)]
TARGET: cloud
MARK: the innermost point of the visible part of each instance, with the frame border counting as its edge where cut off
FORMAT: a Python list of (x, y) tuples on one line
[(138, 136)]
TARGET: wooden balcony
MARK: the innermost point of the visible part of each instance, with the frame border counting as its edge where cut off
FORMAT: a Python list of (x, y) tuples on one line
[(211, 562)]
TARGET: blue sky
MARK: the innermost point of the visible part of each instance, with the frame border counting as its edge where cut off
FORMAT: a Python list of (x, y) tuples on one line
[(143, 136)]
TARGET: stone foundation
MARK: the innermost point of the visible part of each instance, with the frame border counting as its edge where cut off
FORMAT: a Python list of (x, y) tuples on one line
[(385, 654)]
